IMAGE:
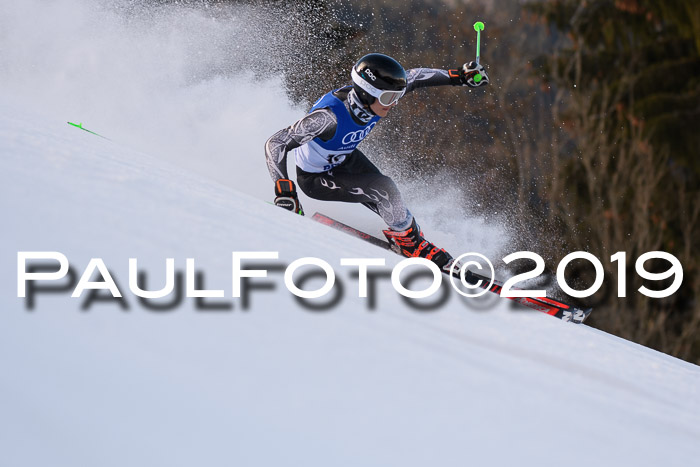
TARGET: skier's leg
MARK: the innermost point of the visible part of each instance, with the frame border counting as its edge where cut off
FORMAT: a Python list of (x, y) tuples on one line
[(406, 236), (357, 180)]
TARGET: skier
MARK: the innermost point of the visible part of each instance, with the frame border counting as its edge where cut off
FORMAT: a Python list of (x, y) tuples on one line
[(329, 165)]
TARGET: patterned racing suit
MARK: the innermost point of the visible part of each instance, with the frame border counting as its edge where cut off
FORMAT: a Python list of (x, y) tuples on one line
[(329, 165)]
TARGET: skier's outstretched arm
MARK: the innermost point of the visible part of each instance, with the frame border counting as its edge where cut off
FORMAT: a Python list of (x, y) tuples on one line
[(320, 123), (464, 76)]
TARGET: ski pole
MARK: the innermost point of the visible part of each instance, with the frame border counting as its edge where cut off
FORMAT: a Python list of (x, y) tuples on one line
[(478, 27), (80, 125)]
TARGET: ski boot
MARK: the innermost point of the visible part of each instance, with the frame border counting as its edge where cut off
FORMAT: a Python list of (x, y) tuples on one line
[(410, 243)]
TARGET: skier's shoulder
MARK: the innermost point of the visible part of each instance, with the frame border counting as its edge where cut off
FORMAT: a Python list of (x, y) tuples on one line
[(332, 99), (342, 93), (319, 123), (331, 105)]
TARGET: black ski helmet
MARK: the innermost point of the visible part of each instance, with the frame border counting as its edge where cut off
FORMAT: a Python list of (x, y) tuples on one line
[(377, 71)]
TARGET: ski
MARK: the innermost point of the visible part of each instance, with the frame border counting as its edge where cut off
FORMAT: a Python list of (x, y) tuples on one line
[(546, 305), (325, 220)]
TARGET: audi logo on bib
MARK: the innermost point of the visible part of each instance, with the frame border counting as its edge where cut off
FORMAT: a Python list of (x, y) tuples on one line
[(359, 135)]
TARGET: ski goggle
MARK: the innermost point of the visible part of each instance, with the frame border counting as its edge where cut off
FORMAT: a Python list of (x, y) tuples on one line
[(386, 98)]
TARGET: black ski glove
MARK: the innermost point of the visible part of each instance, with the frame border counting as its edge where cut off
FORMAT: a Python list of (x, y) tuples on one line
[(471, 74), (287, 196)]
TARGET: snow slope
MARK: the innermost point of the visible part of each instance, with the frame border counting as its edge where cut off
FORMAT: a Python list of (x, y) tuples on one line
[(276, 384)]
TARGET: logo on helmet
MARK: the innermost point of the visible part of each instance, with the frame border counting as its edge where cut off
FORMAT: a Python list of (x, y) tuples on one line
[(369, 73)]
